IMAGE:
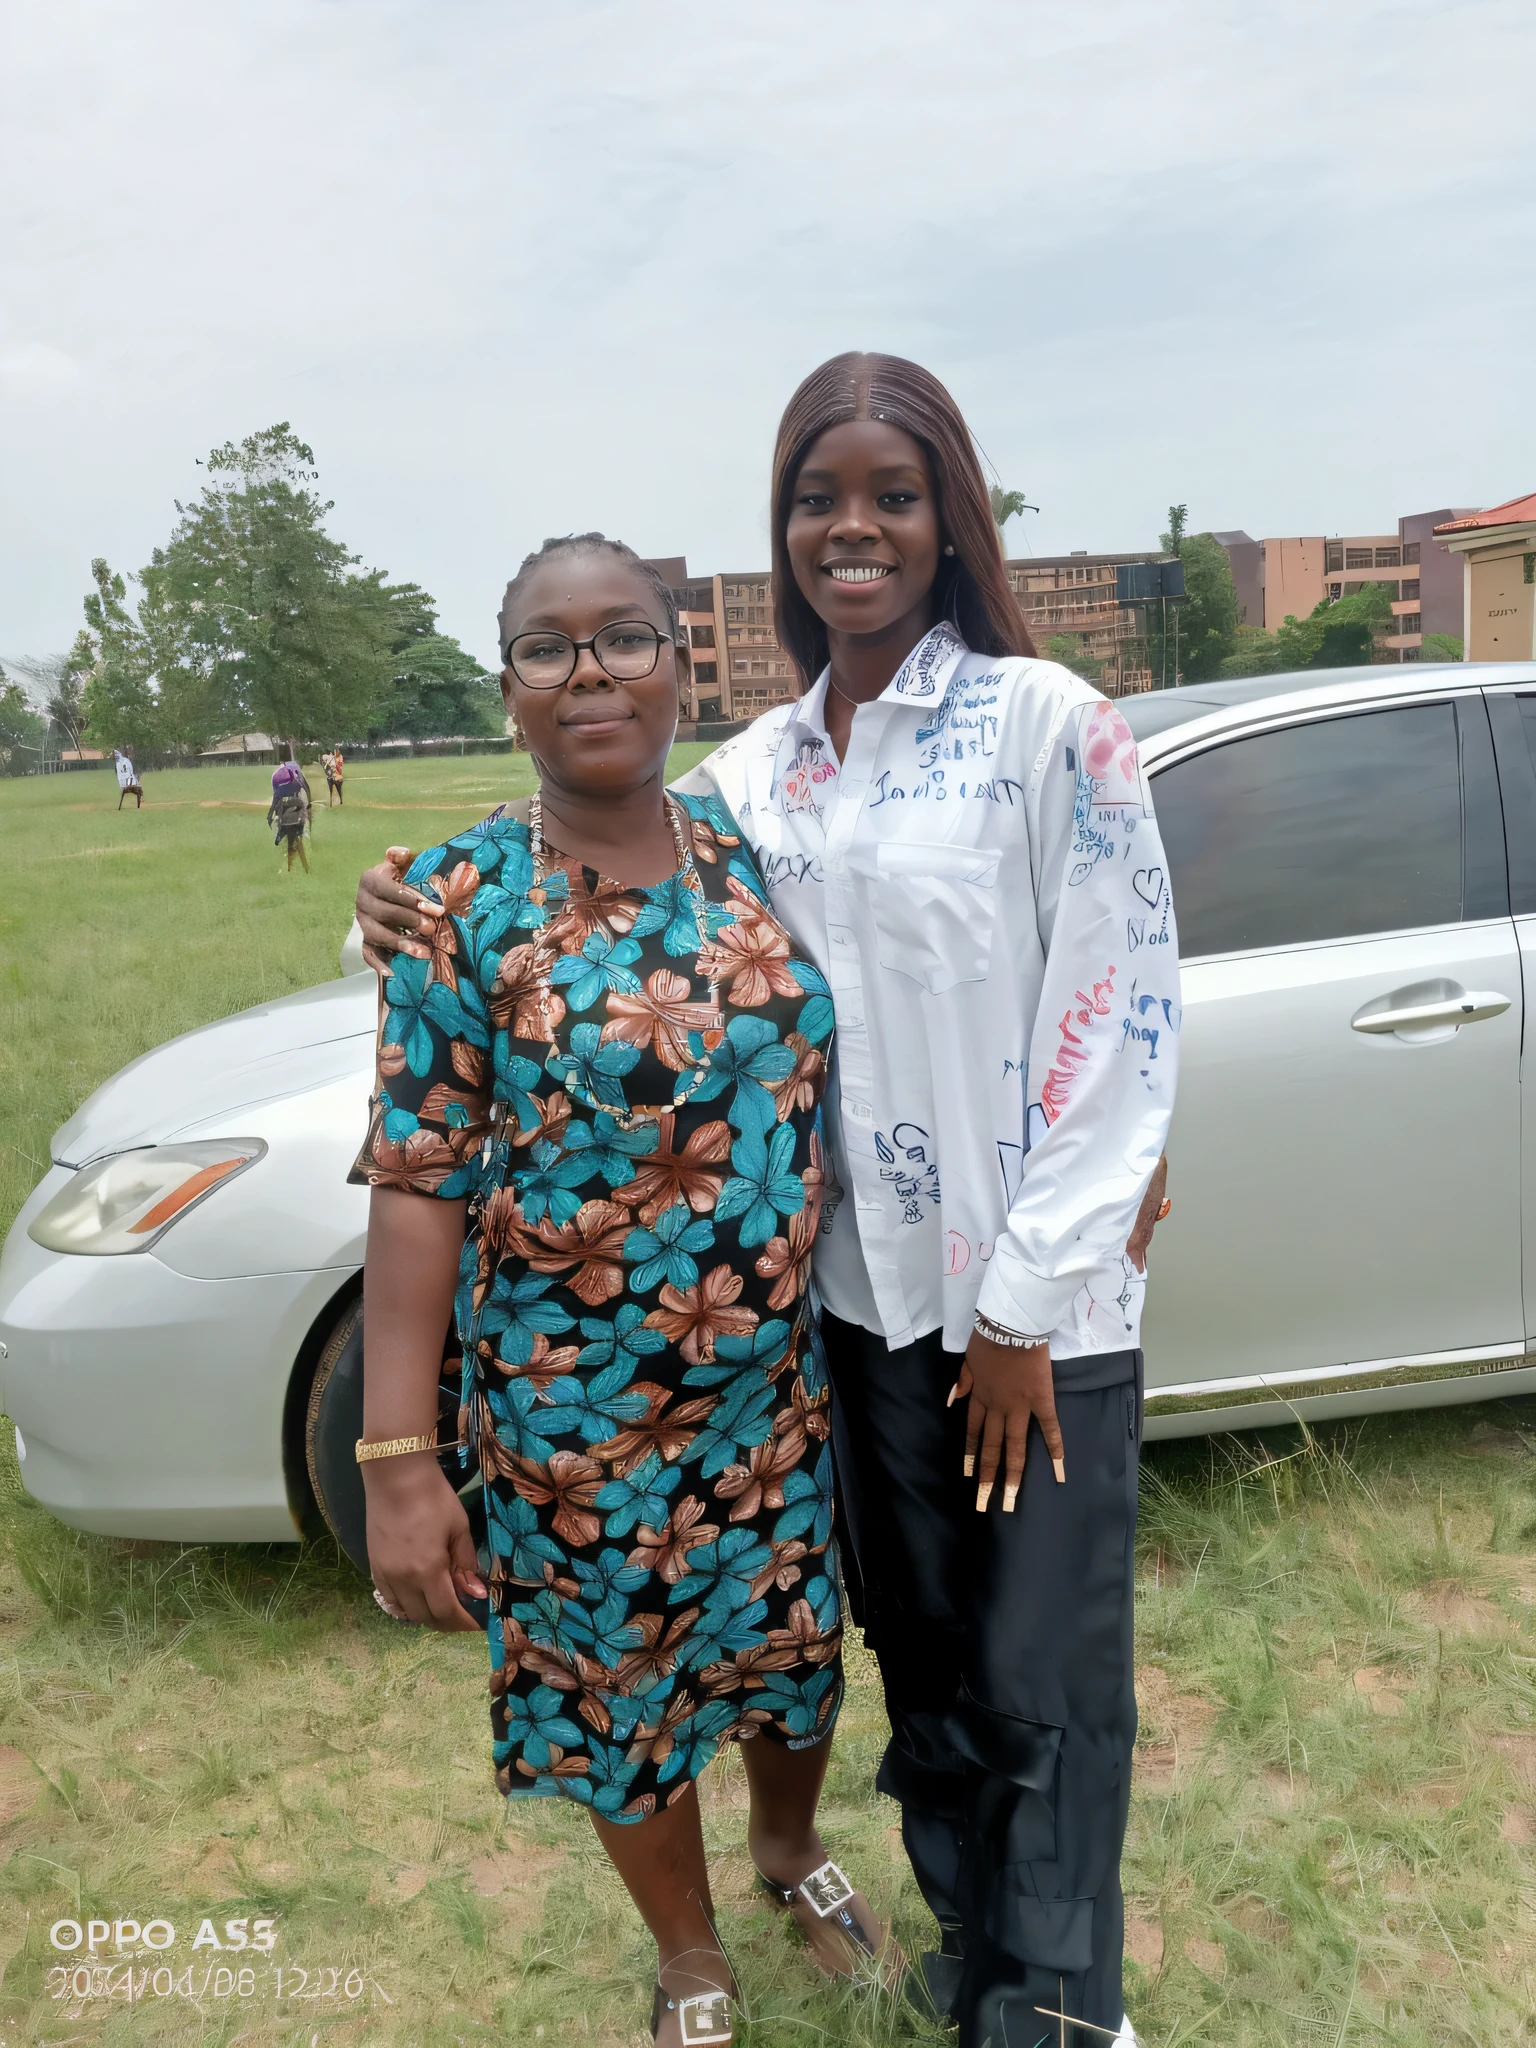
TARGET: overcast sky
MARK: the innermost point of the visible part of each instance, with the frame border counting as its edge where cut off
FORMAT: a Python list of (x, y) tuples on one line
[(516, 269)]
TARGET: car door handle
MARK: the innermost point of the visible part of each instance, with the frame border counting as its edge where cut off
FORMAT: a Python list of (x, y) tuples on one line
[(1472, 1006)]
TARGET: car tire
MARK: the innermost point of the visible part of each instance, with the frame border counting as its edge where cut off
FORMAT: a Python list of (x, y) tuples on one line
[(332, 1426), (333, 1423)]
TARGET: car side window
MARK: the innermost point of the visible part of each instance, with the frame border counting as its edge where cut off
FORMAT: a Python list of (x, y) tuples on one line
[(1321, 831)]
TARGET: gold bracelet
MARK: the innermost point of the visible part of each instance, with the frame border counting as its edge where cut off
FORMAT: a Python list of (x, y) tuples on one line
[(395, 1446)]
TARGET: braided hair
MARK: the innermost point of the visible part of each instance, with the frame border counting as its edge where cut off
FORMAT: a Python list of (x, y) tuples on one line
[(589, 544)]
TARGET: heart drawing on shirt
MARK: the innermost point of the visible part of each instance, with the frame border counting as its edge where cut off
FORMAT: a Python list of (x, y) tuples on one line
[(1148, 884)]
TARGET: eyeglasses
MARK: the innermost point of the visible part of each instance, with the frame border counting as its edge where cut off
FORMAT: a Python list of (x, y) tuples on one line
[(627, 651)]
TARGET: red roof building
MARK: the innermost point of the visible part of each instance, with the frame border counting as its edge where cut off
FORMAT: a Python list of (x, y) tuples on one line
[(1498, 552)]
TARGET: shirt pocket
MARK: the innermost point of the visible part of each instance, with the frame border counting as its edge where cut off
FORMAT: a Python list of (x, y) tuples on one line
[(935, 907)]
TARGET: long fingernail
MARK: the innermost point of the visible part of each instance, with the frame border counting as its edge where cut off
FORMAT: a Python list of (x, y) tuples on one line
[(970, 1466), (1059, 1467), (953, 1392), (1010, 1495), (983, 1495)]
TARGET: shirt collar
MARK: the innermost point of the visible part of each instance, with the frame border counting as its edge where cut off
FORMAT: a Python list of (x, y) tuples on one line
[(810, 711), (924, 674)]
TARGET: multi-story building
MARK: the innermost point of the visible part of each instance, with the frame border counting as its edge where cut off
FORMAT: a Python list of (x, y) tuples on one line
[(695, 601), (1074, 595), (756, 671), (1246, 556), (1299, 573)]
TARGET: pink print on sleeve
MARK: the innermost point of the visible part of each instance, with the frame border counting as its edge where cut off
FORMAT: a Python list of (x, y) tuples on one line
[(1057, 1092), (1109, 756)]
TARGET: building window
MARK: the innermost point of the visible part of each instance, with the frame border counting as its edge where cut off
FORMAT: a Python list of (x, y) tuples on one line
[(702, 636), (1410, 622), (1335, 592), (706, 673), (735, 613), (1389, 558), (1334, 557), (1410, 552), (1359, 558), (1410, 588)]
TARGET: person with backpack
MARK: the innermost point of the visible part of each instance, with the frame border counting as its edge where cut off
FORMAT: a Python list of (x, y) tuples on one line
[(289, 808)]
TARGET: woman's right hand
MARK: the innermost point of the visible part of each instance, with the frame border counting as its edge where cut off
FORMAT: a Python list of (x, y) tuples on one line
[(391, 916), (420, 1549)]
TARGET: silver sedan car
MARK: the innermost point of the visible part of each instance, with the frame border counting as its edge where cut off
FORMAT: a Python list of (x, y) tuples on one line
[(1353, 858)]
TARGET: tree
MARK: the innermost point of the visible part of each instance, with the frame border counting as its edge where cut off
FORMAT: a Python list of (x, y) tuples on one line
[(258, 617), (1256, 653), (1007, 505), (1341, 635), (1070, 651), (22, 732), (52, 688), (1190, 638), (1442, 647), (437, 689), (114, 664)]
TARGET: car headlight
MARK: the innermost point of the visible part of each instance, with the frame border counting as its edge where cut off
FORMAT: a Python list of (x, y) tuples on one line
[(123, 1204)]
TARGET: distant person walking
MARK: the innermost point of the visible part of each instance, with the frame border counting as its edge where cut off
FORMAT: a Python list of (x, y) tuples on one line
[(335, 769), (289, 808), (128, 783)]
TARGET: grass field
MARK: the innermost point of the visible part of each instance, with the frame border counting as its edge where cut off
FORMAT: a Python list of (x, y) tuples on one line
[(1333, 1835)]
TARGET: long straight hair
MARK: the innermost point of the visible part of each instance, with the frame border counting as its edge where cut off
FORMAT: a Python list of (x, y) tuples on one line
[(971, 587)]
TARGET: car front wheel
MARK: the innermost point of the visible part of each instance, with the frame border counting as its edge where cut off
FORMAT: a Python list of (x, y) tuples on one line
[(334, 1422)]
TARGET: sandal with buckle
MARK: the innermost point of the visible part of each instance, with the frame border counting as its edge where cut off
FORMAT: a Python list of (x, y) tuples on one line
[(703, 2019), (842, 1930)]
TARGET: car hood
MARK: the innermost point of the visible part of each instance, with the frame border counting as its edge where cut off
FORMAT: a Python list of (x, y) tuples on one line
[(259, 1055)]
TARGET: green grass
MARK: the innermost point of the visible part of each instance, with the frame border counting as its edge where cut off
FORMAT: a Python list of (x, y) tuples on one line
[(1333, 1834), (120, 929)]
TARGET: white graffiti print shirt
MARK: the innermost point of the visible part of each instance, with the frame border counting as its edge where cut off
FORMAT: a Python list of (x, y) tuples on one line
[(982, 883)]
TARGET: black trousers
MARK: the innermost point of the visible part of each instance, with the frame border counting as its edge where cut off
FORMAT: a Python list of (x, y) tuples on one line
[(1005, 1647)]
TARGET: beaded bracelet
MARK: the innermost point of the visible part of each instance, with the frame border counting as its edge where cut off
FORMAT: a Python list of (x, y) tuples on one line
[(1012, 1340)]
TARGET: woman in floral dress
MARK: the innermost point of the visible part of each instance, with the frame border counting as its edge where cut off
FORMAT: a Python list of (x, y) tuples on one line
[(621, 1078)]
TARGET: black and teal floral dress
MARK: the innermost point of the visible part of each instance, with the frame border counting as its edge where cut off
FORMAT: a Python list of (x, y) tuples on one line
[(643, 1388)]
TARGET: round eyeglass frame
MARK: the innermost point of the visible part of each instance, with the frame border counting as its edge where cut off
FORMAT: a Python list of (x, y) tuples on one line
[(577, 645)]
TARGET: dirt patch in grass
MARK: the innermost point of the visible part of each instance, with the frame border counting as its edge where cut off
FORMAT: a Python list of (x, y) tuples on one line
[(1144, 1942), (1208, 1957), (19, 1784), (1383, 1689), (1447, 1604), (1174, 1728)]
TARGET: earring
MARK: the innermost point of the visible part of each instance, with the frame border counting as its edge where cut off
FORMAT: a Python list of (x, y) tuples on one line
[(950, 548)]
